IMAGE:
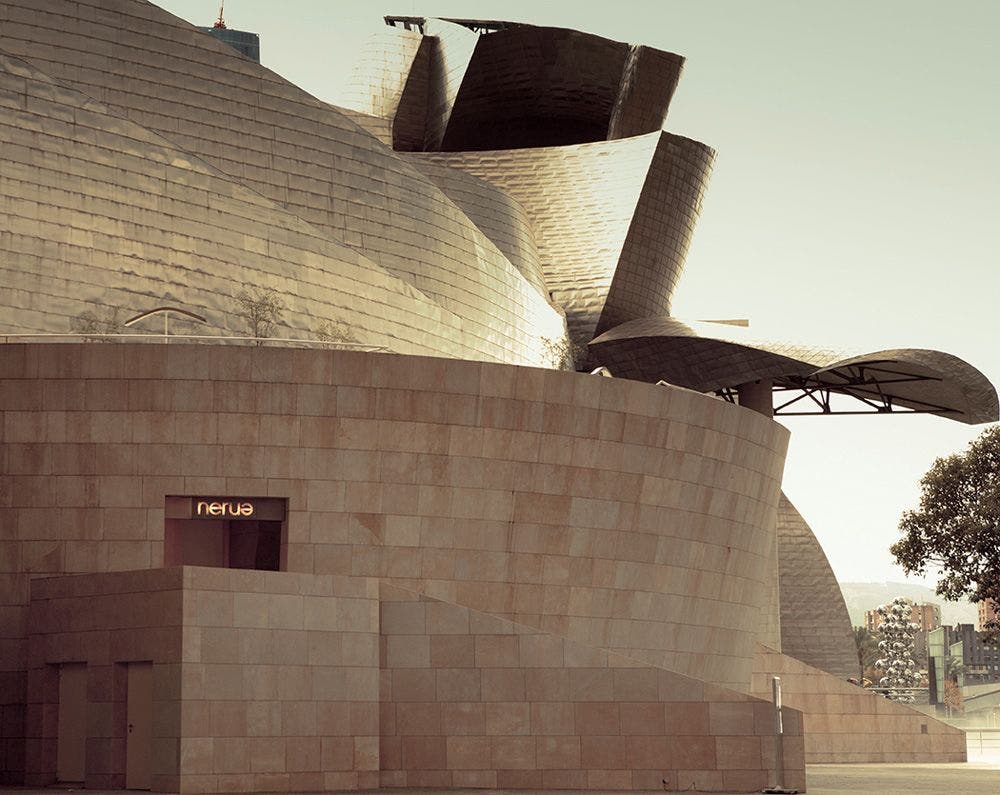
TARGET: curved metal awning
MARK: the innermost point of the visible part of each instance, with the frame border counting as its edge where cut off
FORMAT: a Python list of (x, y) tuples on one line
[(716, 357)]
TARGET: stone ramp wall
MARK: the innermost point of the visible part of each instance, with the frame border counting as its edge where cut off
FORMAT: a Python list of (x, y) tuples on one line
[(472, 700), (845, 723)]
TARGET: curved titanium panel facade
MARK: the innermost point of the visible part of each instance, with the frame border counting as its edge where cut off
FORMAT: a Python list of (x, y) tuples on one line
[(628, 204), (450, 55), (519, 87), (656, 247), (89, 227), (815, 625), (390, 81), (293, 149), (498, 216), (528, 87), (621, 515), (648, 82)]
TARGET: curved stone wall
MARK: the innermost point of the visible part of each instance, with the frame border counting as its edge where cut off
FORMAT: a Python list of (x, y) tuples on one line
[(621, 515), (296, 151)]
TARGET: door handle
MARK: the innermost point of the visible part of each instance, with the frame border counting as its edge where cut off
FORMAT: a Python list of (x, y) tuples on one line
[(130, 727)]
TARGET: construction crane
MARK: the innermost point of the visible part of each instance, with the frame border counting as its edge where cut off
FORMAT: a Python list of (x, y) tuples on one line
[(220, 22)]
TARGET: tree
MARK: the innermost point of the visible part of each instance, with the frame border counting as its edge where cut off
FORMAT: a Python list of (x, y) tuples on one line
[(866, 645), (336, 331), (89, 323), (562, 354), (956, 528), (261, 309)]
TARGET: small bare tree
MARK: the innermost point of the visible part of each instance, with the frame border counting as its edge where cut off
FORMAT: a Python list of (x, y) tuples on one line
[(336, 331), (562, 354), (260, 308), (106, 321)]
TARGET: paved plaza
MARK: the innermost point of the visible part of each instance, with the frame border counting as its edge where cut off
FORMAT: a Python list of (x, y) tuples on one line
[(974, 778)]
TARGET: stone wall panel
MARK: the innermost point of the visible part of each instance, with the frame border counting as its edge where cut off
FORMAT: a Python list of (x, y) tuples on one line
[(621, 515)]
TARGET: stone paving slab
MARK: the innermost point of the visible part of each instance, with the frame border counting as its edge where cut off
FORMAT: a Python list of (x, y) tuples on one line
[(975, 778)]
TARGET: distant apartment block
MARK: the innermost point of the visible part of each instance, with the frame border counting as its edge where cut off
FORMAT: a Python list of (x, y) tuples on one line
[(960, 654), (987, 612)]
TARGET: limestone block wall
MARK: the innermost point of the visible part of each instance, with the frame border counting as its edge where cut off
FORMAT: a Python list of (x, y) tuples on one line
[(470, 700), (261, 681), (294, 150), (13, 665), (845, 723), (280, 682), (106, 621), (619, 514)]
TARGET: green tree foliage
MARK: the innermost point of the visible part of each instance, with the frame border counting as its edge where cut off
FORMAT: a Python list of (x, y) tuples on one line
[(956, 528), (866, 645)]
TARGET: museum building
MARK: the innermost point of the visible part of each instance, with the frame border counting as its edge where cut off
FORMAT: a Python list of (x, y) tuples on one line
[(300, 489)]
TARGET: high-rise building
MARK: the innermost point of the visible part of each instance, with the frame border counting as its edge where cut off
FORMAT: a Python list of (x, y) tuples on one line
[(242, 41), (962, 654)]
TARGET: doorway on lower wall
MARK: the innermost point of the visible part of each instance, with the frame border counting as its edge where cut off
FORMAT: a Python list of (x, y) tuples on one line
[(139, 726), (71, 743)]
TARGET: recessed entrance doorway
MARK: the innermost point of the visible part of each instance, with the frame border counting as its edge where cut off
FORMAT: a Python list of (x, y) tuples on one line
[(227, 532)]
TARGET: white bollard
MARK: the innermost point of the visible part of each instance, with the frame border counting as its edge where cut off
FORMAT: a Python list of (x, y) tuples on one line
[(779, 743)]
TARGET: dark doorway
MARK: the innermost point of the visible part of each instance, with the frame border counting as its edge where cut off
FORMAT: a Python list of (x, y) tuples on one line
[(242, 533), (254, 545)]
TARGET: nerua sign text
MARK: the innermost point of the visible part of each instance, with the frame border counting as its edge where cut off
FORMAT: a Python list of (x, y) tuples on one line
[(205, 508)]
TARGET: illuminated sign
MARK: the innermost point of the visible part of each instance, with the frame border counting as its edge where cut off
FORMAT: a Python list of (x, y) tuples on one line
[(226, 507), (204, 508)]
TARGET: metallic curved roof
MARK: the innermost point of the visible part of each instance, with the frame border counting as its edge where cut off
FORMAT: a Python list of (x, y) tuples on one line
[(516, 86), (715, 357), (815, 624), (613, 220)]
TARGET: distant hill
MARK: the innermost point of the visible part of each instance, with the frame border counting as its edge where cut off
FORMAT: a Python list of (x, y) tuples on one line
[(862, 596)]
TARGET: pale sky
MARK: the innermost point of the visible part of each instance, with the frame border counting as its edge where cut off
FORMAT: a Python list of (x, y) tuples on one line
[(855, 198)]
